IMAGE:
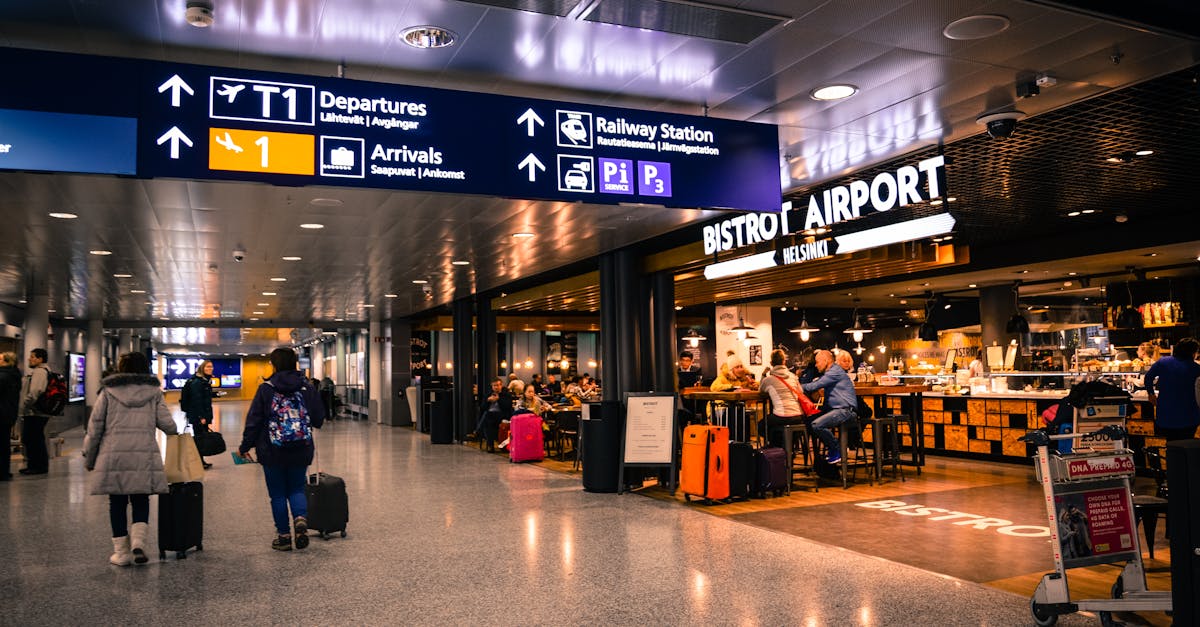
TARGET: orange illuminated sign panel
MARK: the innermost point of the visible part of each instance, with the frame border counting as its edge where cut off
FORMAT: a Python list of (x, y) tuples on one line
[(261, 151)]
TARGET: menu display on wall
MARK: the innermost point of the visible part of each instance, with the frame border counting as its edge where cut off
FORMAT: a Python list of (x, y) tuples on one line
[(76, 376), (227, 371), (198, 122)]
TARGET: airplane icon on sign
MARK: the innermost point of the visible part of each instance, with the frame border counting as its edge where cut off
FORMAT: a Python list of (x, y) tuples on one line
[(230, 91), (228, 143)]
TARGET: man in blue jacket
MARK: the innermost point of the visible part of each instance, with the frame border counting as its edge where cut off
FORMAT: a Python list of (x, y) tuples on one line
[(279, 427), (840, 401), (1171, 386)]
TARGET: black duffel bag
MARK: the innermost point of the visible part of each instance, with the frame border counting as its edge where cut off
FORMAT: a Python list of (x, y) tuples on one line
[(209, 443)]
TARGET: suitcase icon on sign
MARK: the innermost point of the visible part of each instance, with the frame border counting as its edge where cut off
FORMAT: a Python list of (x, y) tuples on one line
[(341, 158)]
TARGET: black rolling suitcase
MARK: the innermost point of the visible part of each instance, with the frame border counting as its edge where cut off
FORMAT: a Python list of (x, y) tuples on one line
[(328, 506), (741, 470), (181, 519)]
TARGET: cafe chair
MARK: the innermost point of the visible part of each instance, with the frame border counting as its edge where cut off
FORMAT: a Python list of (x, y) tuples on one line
[(885, 442), (1146, 507), (566, 430)]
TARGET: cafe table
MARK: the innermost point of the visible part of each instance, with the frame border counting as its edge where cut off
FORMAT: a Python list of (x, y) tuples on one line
[(736, 416), (914, 416)]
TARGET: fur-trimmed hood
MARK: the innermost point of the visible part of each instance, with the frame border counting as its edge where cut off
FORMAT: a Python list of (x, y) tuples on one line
[(133, 390)]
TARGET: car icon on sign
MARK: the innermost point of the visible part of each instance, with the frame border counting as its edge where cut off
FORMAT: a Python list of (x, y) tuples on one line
[(574, 129), (574, 179)]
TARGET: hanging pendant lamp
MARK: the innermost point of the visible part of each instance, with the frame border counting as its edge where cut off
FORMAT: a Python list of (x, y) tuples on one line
[(804, 329), (858, 330), (692, 338), (1017, 323), (741, 329)]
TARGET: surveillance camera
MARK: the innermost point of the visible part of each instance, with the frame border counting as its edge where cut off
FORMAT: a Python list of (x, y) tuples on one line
[(239, 255), (1000, 125), (428, 290), (199, 13)]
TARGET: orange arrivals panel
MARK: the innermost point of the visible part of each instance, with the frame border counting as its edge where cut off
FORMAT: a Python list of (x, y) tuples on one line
[(261, 151)]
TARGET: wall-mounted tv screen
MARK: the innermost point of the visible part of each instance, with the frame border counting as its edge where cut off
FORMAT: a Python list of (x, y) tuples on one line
[(227, 371), (76, 376)]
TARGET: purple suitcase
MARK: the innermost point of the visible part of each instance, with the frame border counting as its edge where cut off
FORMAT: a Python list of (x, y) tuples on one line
[(525, 442), (770, 471)]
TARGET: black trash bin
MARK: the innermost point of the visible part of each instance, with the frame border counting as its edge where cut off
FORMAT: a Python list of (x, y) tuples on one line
[(602, 446), (439, 408)]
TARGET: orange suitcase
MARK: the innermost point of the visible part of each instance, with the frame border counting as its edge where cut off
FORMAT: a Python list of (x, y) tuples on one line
[(704, 469)]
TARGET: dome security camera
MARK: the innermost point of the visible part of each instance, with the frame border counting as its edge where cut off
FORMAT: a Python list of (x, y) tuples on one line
[(1000, 125), (199, 14), (239, 255)]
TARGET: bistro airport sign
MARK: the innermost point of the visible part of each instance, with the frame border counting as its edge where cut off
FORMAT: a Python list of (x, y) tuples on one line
[(907, 185)]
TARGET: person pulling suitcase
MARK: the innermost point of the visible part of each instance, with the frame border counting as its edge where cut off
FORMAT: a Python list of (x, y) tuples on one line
[(285, 410)]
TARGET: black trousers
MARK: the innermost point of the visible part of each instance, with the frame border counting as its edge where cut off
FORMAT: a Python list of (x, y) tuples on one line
[(33, 442), (6, 449), (1172, 433)]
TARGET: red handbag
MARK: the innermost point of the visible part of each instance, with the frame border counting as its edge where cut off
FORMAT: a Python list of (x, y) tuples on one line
[(806, 405)]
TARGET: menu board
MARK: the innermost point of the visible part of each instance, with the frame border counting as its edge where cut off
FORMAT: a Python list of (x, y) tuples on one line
[(76, 376), (649, 428)]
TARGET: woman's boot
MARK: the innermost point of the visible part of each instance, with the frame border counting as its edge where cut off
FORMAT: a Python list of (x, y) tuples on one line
[(120, 556), (137, 537)]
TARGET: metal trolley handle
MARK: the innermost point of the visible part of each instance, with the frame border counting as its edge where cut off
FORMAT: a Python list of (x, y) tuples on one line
[(1041, 438)]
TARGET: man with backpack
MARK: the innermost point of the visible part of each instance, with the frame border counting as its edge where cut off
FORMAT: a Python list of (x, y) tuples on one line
[(33, 420), (285, 410)]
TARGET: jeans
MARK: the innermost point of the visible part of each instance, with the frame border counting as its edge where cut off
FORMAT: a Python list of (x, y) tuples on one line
[(822, 423), (285, 485), (116, 511), (489, 422), (33, 441), (6, 449)]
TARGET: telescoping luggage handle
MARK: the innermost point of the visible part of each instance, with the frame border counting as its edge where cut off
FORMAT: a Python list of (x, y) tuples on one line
[(315, 478)]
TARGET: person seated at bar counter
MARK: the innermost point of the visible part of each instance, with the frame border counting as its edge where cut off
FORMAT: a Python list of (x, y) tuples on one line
[(806, 367), (733, 375), (538, 386), (840, 401), (553, 387), (689, 373), (781, 385)]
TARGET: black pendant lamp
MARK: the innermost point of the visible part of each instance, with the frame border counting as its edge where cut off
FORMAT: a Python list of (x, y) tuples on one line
[(928, 332), (1017, 323)]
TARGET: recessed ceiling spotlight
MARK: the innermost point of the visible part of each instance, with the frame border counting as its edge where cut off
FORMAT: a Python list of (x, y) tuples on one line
[(368, 305), (254, 320), (522, 235), (100, 252), (290, 258), (951, 199), (257, 313), (428, 37), (976, 27), (1144, 153), (312, 225), (278, 279), (199, 13), (1121, 218), (51, 311), (63, 215), (420, 281), (1086, 211), (73, 317), (325, 202), (903, 301), (339, 319), (1073, 214), (972, 285), (264, 304), (268, 293), (137, 291), (460, 263), (935, 202), (122, 275), (833, 92), (391, 295)]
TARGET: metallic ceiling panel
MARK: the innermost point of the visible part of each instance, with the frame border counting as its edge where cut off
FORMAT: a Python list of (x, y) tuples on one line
[(559, 8), (685, 18)]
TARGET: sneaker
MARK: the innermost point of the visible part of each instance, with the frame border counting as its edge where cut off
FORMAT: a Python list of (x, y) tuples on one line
[(301, 525), (471, 437), (834, 458), (282, 543)]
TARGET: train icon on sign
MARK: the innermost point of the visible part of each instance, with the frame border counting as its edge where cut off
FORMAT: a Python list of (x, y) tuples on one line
[(574, 128)]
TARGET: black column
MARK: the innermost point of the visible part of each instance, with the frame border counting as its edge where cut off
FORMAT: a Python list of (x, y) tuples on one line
[(662, 316), (401, 373), (622, 315), (464, 369)]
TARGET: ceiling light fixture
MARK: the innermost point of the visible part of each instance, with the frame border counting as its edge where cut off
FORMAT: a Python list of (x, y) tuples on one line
[(839, 91), (278, 279), (122, 275), (1017, 323), (522, 235), (693, 338), (268, 293), (460, 263), (1144, 153), (137, 291), (976, 27), (264, 304), (858, 330), (325, 202), (420, 281), (199, 13), (312, 225), (100, 252), (805, 330), (425, 37), (391, 295), (62, 215), (291, 258), (741, 329)]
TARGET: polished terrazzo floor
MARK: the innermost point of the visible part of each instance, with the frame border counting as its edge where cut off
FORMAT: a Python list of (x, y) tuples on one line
[(447, 535)]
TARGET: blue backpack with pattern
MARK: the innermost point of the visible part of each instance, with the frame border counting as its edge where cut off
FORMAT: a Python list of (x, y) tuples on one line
[(288, 424)]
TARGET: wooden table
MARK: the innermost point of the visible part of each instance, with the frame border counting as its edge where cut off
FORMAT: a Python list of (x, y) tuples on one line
[(737, 399), (915, 417)]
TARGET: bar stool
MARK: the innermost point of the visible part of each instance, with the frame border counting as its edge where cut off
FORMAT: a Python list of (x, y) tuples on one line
[(885, 439), (788, 434)]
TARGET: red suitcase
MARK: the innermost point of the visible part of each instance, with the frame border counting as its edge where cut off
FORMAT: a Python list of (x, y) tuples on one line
[(704, 469), (525, 438)]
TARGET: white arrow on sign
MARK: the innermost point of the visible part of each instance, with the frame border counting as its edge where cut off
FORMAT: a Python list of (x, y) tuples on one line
[(179, 367), (174, 136), (175, 84), (529, 118), (533, 164)]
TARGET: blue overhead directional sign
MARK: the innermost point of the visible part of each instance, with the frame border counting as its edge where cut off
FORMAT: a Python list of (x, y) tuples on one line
[(201, 122)]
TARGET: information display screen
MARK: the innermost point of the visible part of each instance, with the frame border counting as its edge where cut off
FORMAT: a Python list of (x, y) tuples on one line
[(76, 376), (199, 122), (227, 371)]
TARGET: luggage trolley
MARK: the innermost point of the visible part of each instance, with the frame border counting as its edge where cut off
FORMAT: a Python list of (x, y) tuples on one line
[(1089, 506)]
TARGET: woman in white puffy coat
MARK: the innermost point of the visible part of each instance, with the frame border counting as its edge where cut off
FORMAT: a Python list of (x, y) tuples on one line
[(121, 451)]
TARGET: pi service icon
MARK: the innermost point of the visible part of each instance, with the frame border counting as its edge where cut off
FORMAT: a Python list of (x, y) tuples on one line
[(342, 157)]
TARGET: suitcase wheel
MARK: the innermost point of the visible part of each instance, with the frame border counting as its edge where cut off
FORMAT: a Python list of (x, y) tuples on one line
[(199, 547), (162, 555), (343, 533)]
